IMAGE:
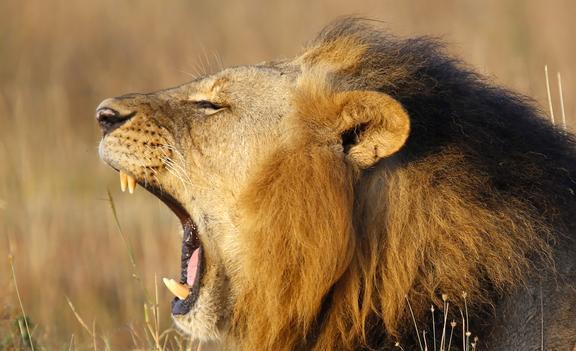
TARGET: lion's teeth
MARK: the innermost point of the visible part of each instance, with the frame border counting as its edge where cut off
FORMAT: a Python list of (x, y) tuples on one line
[(181, 291), (123, 181), (127, 181), (131, 184)]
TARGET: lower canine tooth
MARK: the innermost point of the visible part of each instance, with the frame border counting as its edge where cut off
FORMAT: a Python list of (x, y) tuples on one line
[(180, 290), (131, 184)]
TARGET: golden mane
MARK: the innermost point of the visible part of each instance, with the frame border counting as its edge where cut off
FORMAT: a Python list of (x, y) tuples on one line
[(332, 251)]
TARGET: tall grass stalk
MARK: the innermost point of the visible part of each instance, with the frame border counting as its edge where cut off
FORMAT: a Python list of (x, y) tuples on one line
[(78, 318), (28, 333), (561, 100), (91, 332), (433, 327), (414, 321), (452, 326), (127, 243), (550, 105), (71, 345)]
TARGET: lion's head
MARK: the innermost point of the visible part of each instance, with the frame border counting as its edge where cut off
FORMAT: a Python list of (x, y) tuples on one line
[(317, 194)]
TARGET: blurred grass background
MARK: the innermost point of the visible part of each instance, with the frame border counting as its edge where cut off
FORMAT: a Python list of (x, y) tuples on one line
[(59, 58)]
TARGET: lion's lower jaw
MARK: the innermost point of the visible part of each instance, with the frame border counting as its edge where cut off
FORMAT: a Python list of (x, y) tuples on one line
[(206, 321), (203, 320)]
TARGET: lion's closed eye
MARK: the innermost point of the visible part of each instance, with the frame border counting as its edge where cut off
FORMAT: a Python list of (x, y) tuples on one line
[(209, 107)]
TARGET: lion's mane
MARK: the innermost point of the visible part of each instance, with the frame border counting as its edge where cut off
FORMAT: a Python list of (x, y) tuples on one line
[(332, 253)]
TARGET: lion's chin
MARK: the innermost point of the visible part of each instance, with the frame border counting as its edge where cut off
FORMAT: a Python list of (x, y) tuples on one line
[(203, 323)]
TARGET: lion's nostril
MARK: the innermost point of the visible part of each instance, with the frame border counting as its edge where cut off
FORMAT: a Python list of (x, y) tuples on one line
[(106, 114), (110, 119)]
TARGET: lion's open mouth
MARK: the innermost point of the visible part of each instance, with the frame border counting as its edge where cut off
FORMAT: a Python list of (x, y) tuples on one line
[(188, 288)]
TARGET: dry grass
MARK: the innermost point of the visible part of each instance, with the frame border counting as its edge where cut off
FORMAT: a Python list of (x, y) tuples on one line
[(59, 58)]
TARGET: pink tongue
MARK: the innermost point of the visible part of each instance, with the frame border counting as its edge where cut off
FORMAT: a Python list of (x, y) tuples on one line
[(192, 268)]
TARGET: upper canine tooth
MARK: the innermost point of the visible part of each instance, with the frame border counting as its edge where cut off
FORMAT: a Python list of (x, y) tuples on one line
[(123, 181), (131, 184), (180, 290)]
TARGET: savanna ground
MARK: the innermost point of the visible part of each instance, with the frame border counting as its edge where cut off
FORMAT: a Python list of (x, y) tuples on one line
[(59, 58)]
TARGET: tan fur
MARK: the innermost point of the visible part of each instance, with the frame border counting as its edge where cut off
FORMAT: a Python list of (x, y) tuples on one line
[(342, 53)]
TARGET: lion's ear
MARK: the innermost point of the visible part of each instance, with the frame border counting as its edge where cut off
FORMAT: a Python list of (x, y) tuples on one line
[(372, 126)]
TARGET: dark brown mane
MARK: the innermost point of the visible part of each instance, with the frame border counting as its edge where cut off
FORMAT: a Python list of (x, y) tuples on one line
[(474, 202)]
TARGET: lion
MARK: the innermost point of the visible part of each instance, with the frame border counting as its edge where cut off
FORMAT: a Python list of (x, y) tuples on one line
[(350, 197)]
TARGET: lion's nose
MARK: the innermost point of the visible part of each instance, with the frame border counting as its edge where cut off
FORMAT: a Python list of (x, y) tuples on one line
[(110, 115)]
